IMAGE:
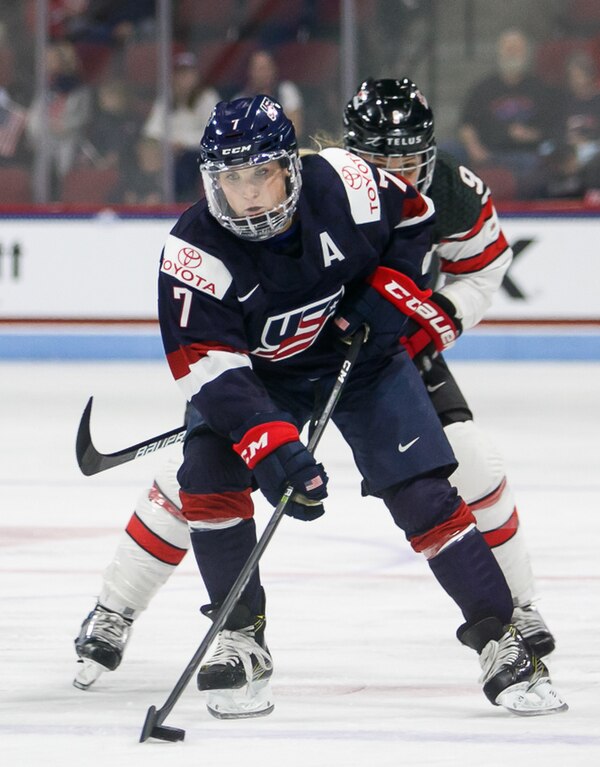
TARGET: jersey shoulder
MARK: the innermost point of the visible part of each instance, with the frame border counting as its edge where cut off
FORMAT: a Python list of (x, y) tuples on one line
[(458, 195), (340, 180), (192, 221), (196, 253)]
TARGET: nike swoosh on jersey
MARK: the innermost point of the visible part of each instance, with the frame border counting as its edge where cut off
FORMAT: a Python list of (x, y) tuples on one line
[(403, 448), (431, 389), (241, 299)]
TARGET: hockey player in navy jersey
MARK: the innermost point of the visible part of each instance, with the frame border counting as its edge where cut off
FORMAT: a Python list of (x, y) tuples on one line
[(468, 237), (258, 287)]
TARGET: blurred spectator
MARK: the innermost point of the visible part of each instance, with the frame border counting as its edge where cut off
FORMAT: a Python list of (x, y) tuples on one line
[(113, 128), (68, 111), (582, 107), (191, 107), (509, 114), (141, 182), (13, 119), (113, 21), (558, 175), (64, 16), (591, 181), (263, 78), (569, 167)]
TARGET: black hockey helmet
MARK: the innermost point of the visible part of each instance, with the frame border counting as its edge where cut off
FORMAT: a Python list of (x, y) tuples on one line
[(245, 133), (390, 119)]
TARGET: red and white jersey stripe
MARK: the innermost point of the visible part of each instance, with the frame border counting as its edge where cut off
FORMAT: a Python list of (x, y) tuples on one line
[(473, 260)]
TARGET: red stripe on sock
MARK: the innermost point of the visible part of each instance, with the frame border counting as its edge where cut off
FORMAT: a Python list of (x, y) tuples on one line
[(489, 499), (156, 496), (153, 544), (433, 540), (503, 533), (216, 507)]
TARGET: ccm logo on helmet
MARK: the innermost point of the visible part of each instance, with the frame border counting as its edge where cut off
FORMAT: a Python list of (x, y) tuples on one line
[(237, 149)]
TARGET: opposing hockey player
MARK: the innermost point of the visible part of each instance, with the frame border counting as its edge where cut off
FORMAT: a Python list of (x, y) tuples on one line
[(390, 124), (280, 272)]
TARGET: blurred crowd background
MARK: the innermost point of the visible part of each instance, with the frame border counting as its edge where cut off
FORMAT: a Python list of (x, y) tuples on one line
[(103, 102)]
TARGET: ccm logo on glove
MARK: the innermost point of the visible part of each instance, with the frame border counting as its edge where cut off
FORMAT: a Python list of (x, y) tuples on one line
[(261, 440), (274, 453)]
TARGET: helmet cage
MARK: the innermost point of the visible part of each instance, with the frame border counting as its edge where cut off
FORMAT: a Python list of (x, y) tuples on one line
[(424, 163), (263, 225)]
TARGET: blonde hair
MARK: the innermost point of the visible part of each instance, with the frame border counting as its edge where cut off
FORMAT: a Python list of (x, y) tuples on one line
[(321, 140)]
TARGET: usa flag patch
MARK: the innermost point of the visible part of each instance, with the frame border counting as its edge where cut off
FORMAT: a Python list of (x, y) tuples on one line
[(314, 483)]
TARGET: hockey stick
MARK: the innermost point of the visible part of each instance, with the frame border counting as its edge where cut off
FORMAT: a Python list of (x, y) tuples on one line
[(91, 461), (153, 725)]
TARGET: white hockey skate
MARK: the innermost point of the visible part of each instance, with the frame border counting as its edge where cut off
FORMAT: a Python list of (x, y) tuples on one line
[(511, 676), (237, 675), (534, 630), (100, 645)]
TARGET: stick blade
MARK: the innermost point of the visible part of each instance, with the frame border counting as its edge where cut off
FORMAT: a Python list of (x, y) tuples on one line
[(87, 456), (92, 461), (152, 729)]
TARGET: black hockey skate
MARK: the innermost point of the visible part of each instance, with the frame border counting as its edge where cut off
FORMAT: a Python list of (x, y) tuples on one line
[(237, 674), (100, 645), (534, 630), (512, 677)]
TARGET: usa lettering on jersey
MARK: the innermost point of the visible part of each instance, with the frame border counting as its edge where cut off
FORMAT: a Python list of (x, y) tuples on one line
[(290, 333)]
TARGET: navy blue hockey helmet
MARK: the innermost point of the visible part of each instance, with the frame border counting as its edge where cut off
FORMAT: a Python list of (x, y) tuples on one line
[(391, 119), (242, 135)]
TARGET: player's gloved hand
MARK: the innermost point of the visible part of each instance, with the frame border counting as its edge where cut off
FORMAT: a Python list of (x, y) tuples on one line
[(292, 464), (273, 451), (369, 307), (432, 328)]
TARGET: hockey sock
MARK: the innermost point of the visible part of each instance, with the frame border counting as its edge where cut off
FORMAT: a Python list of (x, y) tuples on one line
[(481, 480), (468, 572), (153, 544), (221, 555)]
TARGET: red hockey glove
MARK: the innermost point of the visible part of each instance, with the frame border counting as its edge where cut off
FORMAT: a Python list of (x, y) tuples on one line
[(432, 329), (375, 309), (435, 325), (277, 457)]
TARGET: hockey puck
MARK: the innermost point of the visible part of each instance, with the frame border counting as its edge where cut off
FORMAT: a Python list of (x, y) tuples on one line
[(158, 731), (172, 734)]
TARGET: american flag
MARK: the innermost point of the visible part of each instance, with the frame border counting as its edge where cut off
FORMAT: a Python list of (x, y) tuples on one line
[(12, 122), (313, 484)]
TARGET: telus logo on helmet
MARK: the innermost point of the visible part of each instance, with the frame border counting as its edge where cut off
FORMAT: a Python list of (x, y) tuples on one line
[(404, 141)]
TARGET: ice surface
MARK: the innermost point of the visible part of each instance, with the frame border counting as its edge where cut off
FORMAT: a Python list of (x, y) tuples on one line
[(368, 671)]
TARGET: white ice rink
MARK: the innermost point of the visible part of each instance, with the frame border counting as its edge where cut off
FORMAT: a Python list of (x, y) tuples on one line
[(368, 671)]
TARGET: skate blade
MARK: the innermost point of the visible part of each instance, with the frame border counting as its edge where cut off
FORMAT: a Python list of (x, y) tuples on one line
[(254, 699), (88, 671), (538, 700)]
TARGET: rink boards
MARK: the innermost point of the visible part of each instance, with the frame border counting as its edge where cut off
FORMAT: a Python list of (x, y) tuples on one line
[(84, 287)]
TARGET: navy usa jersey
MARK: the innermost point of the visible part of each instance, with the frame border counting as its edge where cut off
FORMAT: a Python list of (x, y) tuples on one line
[(232, 310)]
